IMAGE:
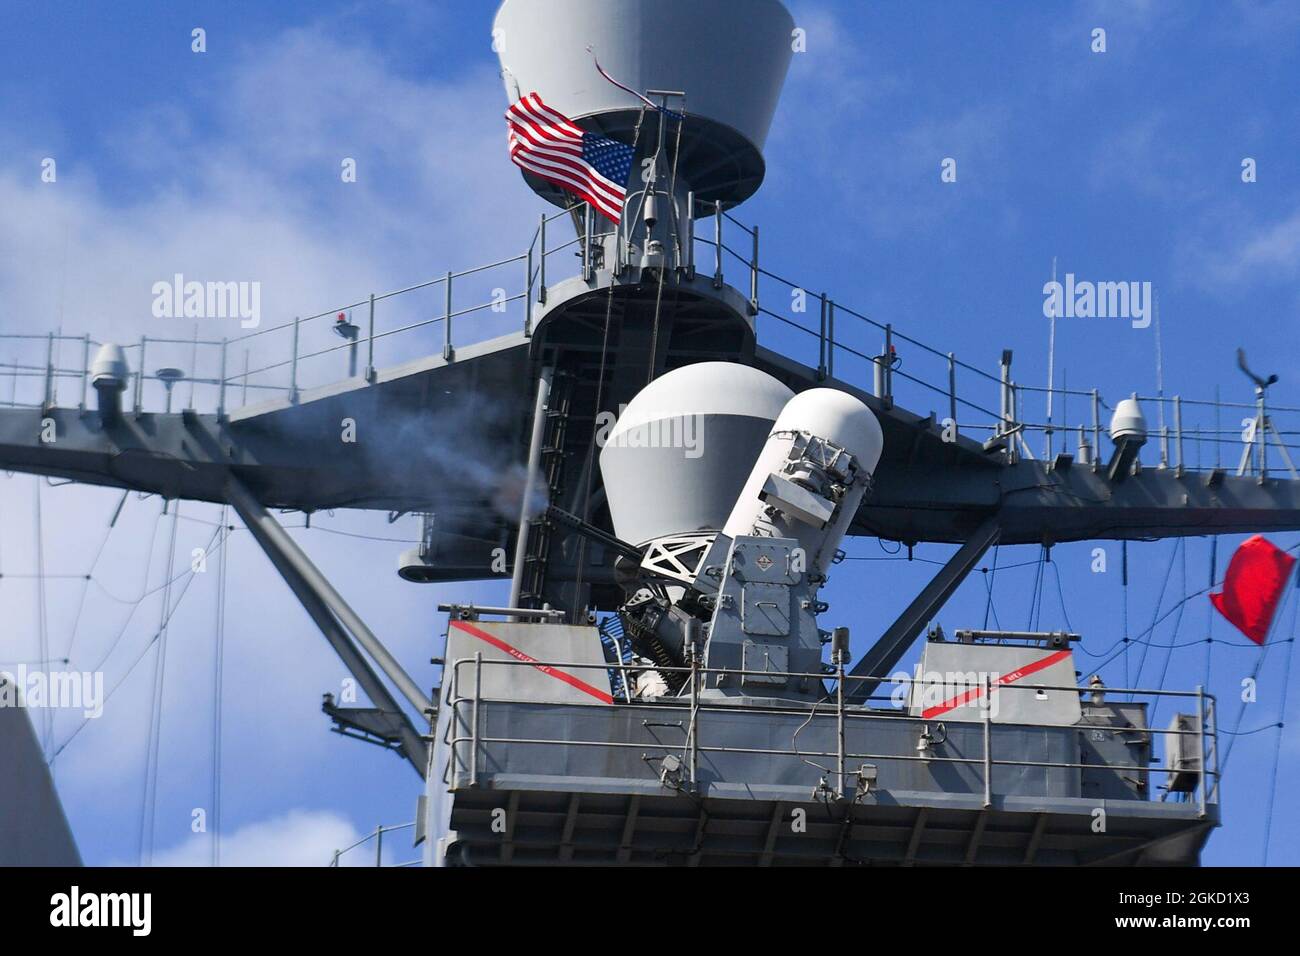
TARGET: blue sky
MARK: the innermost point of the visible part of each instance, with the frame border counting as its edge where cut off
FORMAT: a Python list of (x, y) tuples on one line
[(1124, 165)]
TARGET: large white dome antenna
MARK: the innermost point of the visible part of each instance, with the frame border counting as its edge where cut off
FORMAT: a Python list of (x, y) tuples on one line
[(730, 69)]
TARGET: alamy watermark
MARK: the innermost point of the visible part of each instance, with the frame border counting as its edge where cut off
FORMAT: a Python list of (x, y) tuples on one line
[(72, 690), (945, 691), (1083, 299), (179, 299), (133, 911), (674, 431)]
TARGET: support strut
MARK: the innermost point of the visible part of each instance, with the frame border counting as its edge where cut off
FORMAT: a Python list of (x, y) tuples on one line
[(893, 644), (540, 409), (327, 609)]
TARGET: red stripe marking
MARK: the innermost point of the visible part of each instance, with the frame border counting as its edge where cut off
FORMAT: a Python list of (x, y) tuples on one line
[(516, 653), (978, 692)]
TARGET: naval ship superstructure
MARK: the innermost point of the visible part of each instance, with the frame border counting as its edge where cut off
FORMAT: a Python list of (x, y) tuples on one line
[(664, 684)]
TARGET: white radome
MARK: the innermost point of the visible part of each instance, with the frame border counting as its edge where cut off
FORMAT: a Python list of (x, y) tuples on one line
[(834, 416), (680, 452), (838, 417), (1128, 422)]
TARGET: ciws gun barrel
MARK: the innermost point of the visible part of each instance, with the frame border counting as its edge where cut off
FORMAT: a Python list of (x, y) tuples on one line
[(592, 533)]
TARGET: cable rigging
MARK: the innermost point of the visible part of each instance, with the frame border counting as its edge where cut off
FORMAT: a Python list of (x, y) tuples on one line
[(150, 802)]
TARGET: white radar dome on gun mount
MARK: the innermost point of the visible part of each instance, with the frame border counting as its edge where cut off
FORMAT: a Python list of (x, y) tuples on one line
[(678, 455), (811, 475)]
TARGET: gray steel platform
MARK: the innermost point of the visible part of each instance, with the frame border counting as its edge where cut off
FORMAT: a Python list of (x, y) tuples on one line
[(584, 784)]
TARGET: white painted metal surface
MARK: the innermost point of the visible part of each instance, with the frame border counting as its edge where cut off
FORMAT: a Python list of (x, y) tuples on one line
[(730, 58), (828, 414), (678, 455)]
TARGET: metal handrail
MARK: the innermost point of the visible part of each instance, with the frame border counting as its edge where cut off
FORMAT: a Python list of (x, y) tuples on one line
[(1206, 736), (378, 836), (942, 383)]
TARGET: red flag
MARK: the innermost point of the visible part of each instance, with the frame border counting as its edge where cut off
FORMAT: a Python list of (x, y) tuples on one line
[(1252, 588)]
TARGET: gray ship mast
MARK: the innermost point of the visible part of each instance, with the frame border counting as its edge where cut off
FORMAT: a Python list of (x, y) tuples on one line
[(810, 459)]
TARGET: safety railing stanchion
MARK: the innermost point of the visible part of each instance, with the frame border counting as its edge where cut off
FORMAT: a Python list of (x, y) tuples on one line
[(473, 723), (887, 373), (370, 344), (139, 378), (830, 338), (753, 275), (221, 387), (717, 244), (1213, 719), (686, 247), (1096, 430), (447, 351), (988, 742), (48, 399), (452, 734), (1261, 422), (528, 291), (194, 365), (1178, 436), (541, 268), (293, 364), (821, 341), (586, 242), (85, 367), (1004, 399), (952, 390), (1200, 750)]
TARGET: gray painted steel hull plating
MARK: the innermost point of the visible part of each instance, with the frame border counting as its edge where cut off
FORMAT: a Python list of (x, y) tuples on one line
[(33, 829)]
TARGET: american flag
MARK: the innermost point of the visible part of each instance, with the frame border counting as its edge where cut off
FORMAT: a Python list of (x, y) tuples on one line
[(548, 144)]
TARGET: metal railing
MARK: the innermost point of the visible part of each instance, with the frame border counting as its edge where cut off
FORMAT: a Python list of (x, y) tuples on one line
[(351, 339), (833, 707), (376, 837), (499, 297)]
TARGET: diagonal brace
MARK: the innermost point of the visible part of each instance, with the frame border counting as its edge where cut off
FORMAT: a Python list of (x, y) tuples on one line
[(331, 614), (893, 644)]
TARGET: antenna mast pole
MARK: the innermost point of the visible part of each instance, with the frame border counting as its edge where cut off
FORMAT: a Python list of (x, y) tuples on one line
[(1160, 387), (1051, 370)]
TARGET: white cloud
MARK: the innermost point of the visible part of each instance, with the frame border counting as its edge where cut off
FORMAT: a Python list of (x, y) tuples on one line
[(242, 186), (246, 186), (297, 838), (1274, 248), (840, 116), (1235, 248)]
